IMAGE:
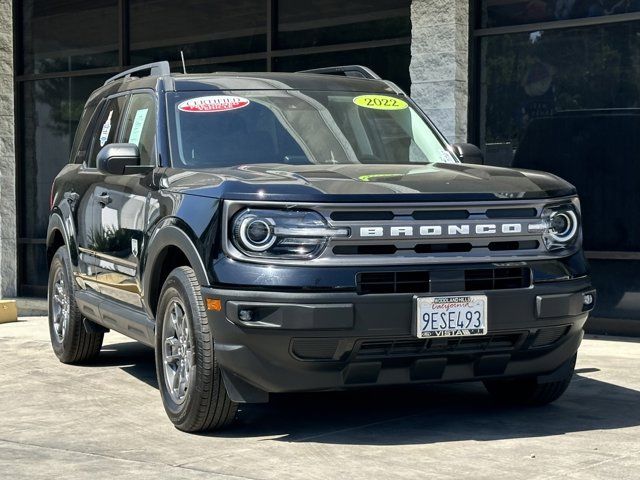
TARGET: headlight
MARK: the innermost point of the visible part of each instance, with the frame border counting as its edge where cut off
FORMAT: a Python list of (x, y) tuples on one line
[(287, 234), (560, 226)]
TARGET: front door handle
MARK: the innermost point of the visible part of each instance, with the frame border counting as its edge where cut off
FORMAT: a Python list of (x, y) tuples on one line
[(104, 199)]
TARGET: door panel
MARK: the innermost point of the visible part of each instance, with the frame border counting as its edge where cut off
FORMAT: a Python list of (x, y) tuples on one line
[(80, 195), (121, 207), (119, 225)]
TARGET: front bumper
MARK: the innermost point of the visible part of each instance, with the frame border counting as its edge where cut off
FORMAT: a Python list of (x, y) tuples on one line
[(333, 341)]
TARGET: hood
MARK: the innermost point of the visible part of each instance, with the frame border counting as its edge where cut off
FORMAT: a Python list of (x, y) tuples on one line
[(369, 183)]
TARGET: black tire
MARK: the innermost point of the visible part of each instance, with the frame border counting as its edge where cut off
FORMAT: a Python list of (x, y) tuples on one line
[(72, 344), (527, 391), (205, 404)]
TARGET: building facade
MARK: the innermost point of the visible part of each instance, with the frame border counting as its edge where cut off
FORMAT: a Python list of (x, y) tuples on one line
[(543, 84)]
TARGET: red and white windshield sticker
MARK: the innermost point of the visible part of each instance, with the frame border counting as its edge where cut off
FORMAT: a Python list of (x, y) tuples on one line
[(213, 103)]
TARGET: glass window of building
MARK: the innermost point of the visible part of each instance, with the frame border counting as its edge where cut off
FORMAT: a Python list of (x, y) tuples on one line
[(563, 96), (568, 101), (341, 22), (63, 35), (160, 29), (499, 13)]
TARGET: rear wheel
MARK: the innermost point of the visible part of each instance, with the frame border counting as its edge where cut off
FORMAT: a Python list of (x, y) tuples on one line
[(71, 342), (190, 381), (528, 391)]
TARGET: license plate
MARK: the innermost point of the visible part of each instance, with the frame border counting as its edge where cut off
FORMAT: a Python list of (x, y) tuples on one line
[(451, 316)]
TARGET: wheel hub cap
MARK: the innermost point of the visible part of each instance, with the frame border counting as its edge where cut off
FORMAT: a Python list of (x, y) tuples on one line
[(177, 351), (60, 306)]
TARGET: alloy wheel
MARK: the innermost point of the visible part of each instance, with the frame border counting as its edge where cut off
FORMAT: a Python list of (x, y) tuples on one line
[(177, 351), (60, 305)]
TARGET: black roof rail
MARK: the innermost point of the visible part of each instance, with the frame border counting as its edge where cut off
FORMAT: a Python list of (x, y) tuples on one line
[(157, 68), (357, 71)]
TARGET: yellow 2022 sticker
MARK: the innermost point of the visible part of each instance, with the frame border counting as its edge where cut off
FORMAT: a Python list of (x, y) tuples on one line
[(380, 102)]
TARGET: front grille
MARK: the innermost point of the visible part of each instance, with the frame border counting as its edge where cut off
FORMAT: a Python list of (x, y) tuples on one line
[(443, 247), (497, 278), (409, 349), (440, 215), (424, 282), (361, 216), (433, 248), (506, 246), (413, 348), (365, 250), (511, 213), (392, 282), (423, 233)]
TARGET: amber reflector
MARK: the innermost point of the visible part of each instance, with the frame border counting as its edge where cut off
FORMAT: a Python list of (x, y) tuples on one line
[(214, 304)]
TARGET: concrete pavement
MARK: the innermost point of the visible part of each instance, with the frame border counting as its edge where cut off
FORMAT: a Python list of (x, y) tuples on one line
[(106, 421)]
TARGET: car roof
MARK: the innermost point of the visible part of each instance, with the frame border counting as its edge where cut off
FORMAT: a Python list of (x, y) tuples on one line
[(277, 81), (220, 81)]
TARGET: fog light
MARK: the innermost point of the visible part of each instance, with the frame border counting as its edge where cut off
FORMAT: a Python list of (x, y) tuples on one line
[(245, 315), (587, 299)]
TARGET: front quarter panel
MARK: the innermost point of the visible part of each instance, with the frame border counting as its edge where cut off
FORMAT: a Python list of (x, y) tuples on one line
[(188, 222)]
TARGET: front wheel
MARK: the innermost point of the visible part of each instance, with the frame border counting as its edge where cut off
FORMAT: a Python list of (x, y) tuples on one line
[(190, 381), (528, 391)]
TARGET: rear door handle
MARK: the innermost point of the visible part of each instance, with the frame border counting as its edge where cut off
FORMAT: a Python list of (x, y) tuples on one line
[(104, 199)]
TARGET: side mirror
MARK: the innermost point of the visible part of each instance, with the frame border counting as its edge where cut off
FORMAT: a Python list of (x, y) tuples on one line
[(468, 153), (114, 158)]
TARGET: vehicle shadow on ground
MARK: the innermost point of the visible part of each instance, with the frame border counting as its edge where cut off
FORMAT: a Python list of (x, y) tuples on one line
[(132, 357), (411, 415)]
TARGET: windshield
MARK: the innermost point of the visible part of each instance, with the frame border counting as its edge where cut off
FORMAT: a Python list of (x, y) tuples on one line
[(212, 129)]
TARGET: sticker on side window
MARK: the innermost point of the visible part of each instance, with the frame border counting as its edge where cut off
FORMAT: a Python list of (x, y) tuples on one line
[(213, 103), (380, 102), (136, 128), (106, 128)]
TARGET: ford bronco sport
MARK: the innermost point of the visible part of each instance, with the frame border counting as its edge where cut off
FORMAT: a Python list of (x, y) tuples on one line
[(285, 232)]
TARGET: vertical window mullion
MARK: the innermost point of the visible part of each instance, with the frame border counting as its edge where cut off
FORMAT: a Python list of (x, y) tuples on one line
[(272, 31), (123, 37)]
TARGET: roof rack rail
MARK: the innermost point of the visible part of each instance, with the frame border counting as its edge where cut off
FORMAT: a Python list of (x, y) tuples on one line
[(157, 68), (357, 71)]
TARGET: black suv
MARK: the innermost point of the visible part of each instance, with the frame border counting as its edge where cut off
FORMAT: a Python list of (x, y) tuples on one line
[(281, 232)]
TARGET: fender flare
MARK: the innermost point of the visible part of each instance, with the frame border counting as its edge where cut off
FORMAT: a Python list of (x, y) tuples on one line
[(169, 236), (56, 223)]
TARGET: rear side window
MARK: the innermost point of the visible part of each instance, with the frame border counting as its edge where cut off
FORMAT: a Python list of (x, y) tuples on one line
[(106, 128), (139, 126)]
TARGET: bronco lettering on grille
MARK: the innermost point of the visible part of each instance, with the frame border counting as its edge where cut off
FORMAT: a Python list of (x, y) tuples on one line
[(440, 230)]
